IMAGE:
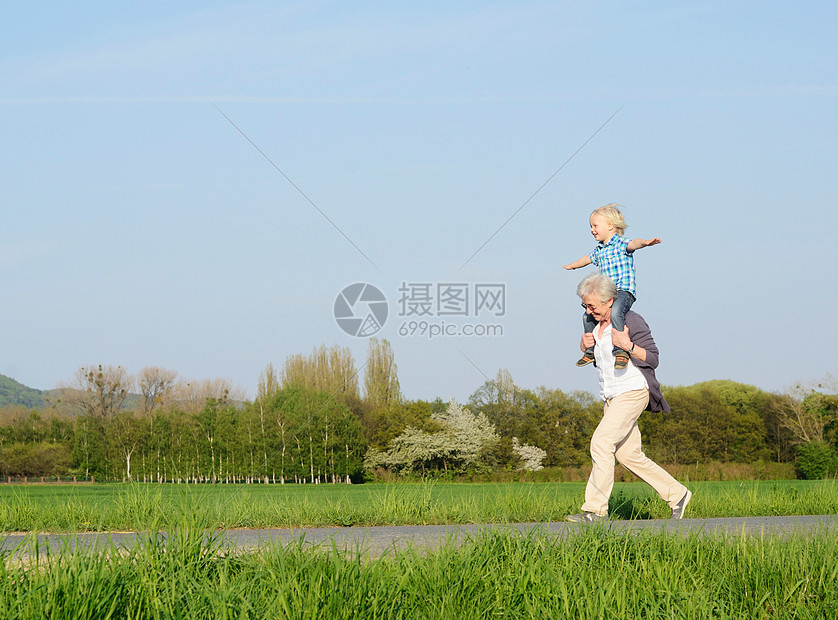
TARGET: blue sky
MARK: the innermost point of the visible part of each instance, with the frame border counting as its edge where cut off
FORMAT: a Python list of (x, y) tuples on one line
[(142, 228)]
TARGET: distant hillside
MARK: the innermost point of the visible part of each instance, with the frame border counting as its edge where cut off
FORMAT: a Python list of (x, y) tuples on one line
[(14, 393)]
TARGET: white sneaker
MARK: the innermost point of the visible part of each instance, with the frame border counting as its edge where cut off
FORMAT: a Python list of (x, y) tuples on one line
[(681, 506), (586, 517)]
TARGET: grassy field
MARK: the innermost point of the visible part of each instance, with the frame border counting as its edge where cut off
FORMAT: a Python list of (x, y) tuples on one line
[(591, 573), (136, 506)]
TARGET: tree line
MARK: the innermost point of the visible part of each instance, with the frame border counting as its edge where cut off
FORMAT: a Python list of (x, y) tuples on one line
[(315, 421)]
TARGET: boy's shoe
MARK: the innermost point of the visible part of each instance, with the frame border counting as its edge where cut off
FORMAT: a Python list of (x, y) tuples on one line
[(586, 517), (681, 506), (621, 360), (585, 360)]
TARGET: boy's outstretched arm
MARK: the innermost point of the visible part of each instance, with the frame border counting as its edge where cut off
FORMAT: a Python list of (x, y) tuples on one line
[(582, 262), (636, 244)]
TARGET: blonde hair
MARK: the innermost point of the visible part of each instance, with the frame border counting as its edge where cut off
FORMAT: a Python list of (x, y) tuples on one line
[(612, 215)]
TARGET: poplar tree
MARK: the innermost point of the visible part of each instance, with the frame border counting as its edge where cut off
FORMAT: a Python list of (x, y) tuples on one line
[(381, 377), (331, 370)]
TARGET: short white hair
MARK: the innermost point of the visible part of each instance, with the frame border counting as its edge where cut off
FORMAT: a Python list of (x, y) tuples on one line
[(597, 284)]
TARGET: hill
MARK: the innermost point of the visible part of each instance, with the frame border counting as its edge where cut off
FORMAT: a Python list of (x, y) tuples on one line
[(15, 393)]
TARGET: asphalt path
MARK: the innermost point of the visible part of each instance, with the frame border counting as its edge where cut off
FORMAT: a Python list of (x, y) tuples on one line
[(380, 540)]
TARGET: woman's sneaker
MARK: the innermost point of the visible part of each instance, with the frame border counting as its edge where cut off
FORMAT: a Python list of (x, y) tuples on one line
[(681, 506), (586, 517)]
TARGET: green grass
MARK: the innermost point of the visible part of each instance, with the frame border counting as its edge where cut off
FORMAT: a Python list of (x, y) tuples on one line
[(591, 573), (148, 506)]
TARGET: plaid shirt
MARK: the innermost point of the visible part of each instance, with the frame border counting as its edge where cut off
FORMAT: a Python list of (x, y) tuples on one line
[(615, 261)]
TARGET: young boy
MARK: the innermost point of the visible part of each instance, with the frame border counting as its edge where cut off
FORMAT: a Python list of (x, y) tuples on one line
[(614, 256)]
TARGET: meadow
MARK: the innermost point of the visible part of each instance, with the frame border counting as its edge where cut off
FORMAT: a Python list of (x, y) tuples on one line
[(111, 507), (589, 573), (180, 567)]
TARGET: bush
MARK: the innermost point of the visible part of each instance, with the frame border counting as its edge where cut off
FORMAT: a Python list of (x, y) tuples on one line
[(816, 460), (34, 459)]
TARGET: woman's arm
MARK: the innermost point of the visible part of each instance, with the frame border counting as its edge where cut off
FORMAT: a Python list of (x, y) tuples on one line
[(645, 349)]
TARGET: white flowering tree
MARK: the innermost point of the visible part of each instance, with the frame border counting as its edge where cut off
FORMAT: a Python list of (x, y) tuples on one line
[(462, 442), (531, 457)]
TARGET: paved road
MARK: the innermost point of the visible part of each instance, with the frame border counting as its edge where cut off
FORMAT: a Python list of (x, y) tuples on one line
[(378, 540)]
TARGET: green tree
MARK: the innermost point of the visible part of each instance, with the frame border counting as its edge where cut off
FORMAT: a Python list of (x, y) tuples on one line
[(387, 423), (90, 446), (252, 454), (381, 378), (207, 423), (816, 460), (331, 370), (510, 409), (710, 421), (34, 459), (779, 437), (319, 439), (20, 424), (268, 384), (559, 423), (565, 423), (159, 445), (184, 455), (126, 433)]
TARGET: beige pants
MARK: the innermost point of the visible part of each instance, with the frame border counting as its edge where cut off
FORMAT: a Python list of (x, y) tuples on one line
[(618, 435)]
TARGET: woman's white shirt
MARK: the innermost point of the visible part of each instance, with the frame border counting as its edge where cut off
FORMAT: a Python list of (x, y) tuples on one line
[(614, 382)]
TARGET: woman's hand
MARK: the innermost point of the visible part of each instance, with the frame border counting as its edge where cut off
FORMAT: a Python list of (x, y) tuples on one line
[(621, 339)]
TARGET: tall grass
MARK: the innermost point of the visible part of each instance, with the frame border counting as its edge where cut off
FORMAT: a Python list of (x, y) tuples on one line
[(592, 573), (701, 471), (147, 507)]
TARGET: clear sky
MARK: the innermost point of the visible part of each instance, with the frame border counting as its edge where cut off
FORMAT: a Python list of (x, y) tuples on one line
[(147, 221)]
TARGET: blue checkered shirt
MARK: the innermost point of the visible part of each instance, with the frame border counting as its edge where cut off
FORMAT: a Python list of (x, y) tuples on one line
[(615, 261)]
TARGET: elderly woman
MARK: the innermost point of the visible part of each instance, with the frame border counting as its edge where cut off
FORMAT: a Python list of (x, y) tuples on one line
[(626, 393)]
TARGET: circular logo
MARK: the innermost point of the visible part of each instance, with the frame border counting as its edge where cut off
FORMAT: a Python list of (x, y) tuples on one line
[(361, 310)]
